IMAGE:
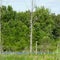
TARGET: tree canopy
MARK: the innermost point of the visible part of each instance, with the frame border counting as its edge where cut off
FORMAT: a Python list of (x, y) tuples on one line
[(15, 28)]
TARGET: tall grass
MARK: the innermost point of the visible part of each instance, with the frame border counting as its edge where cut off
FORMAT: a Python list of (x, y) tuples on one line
[(30, 57)]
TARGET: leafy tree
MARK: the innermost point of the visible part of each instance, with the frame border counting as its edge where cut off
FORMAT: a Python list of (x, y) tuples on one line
[(15, 30)]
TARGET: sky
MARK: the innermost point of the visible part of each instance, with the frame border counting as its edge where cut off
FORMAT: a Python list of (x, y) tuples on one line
[(23, 5)]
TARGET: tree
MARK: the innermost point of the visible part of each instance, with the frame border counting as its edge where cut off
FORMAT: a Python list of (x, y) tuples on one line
[(15, 29)]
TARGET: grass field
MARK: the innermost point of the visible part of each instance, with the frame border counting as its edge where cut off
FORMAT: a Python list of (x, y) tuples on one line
[(30, 57)]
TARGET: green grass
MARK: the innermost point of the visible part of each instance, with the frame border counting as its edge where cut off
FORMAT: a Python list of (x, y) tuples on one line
[(30, 57)]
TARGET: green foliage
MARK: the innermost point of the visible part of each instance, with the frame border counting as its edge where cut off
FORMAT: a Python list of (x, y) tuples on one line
[(30, 57), (16, 28)]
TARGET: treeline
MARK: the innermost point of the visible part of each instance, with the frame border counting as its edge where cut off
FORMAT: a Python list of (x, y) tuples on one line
[(15, 29)]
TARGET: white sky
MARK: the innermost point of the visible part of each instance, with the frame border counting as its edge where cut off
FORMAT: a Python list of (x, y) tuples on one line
[(23, 5)]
